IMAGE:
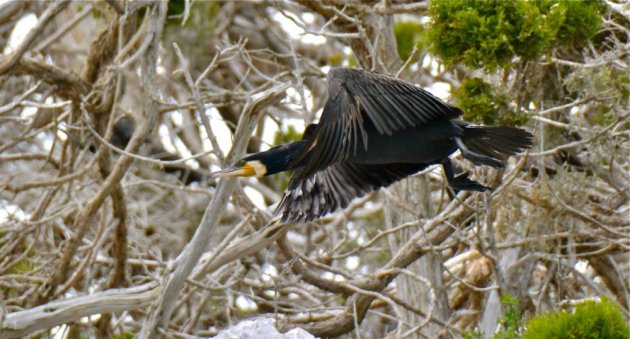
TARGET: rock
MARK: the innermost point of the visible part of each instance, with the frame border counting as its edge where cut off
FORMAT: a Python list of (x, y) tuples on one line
[(261, 328)]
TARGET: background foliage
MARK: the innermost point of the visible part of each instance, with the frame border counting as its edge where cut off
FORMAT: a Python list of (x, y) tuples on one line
[(113, 113)]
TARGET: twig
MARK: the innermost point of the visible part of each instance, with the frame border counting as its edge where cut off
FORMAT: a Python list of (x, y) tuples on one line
[(407, 254), (17, 102), (161, 163), (201, 110), (19, 324), (580, 142), (63, 30), (7, 62), (188, 258), (84, 218)]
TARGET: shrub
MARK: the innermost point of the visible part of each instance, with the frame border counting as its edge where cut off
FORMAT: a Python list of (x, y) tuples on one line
[(589, 320), (491, 33), (408, 34), (483, 103)]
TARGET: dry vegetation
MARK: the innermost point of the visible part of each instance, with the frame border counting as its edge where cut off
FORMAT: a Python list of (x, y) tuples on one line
[(108, 227)]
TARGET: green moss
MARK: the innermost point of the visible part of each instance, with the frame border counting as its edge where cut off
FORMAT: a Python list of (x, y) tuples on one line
[(604, 117), (281, 180), (490, 33), (408, 34), (23, 267), (352, 60), (510, 322), (624, 86), (575, 22), (484, 104), (474, 334), (511, 319), (290, 135), (486, 33), (589, 320), (335, 59), (177, 8), (586, 81), (126, 335)]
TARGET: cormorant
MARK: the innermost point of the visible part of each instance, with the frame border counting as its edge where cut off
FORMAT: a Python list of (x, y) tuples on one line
[(374, 130), (122, 133)]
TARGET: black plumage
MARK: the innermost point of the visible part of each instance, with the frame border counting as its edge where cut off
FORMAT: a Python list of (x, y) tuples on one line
[(374, 130)]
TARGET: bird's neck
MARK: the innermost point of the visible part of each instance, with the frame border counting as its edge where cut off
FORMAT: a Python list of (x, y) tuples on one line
[(284, 157)]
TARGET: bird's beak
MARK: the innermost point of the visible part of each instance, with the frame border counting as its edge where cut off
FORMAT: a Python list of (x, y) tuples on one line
[(235, 171)]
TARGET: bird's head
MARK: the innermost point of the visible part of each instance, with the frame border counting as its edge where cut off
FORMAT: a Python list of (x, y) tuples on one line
[(243, 168), (274, 160)]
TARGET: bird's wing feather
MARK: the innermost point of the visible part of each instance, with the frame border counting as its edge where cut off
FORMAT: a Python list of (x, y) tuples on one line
[(355, 95), (339, 132), (393, 104), (335, 186)]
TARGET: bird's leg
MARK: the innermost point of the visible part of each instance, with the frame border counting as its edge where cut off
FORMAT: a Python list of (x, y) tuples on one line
[(460, 182), (476, 158)]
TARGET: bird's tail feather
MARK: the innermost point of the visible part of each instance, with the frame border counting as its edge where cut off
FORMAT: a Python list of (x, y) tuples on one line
[(496, 142)]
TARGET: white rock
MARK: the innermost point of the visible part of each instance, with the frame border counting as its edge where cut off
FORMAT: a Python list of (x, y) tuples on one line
[(261, 328)]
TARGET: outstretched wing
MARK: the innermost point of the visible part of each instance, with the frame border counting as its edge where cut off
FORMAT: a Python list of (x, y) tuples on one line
[(355, 95), (335, 186)]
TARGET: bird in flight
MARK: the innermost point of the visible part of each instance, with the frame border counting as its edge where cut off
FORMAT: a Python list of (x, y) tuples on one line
[(375, 130)]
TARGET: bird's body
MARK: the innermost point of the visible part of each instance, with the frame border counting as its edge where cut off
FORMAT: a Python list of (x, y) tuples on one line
[(375, 130), (424, 144)]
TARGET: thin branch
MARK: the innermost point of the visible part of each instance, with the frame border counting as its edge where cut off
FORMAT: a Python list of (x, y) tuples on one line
[(201, 110), (19, 324), (7, 62), (188, 258)]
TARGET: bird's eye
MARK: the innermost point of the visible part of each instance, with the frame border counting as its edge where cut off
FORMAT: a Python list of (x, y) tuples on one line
[(241, 163)]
